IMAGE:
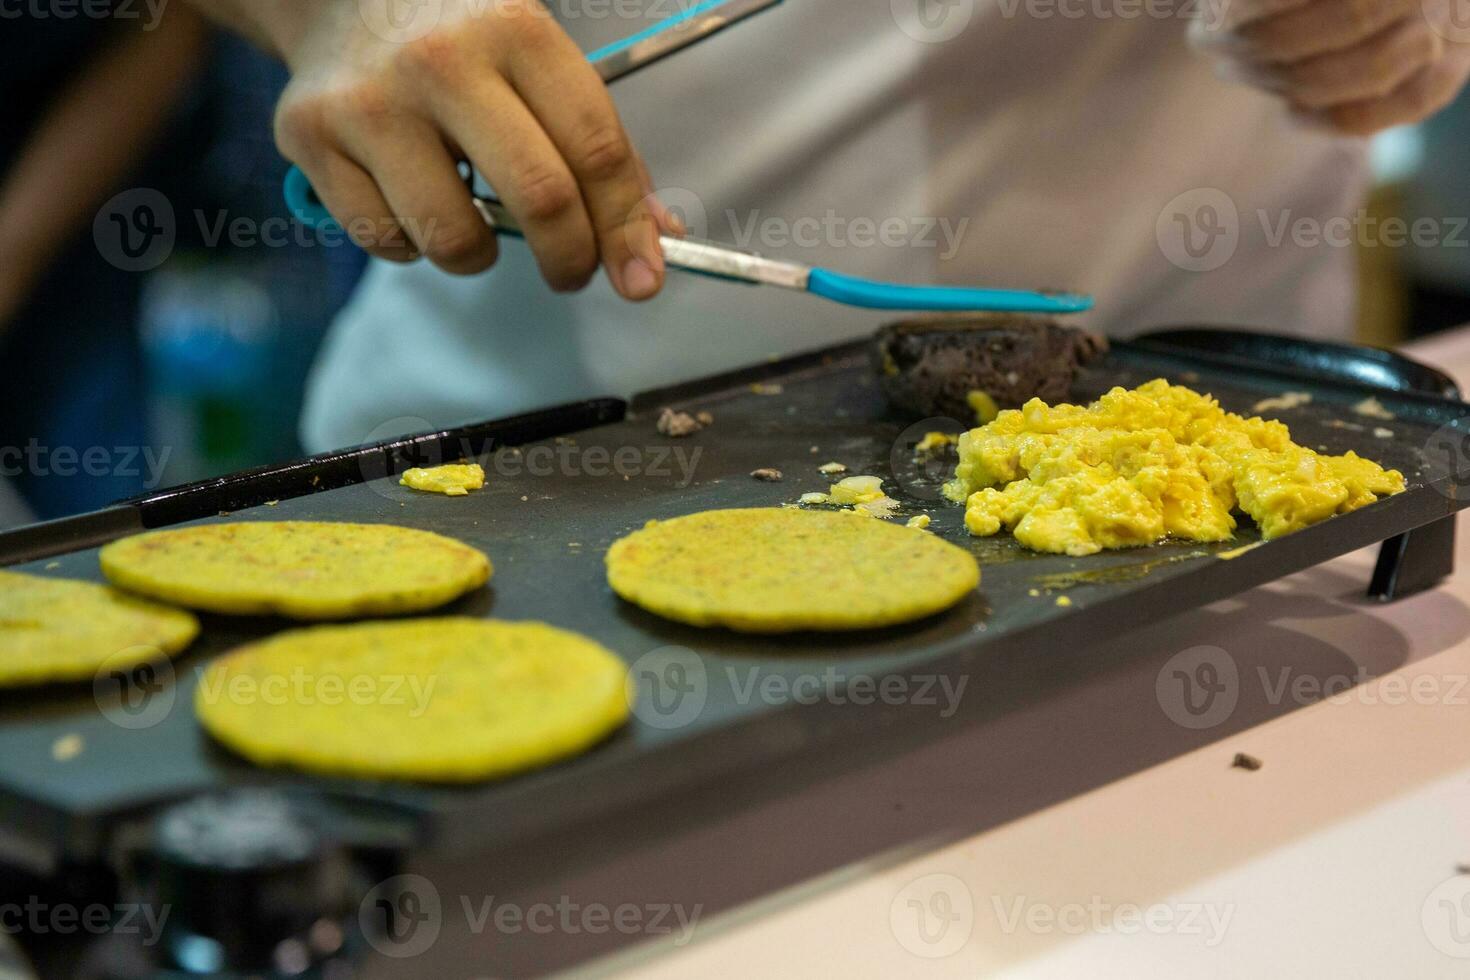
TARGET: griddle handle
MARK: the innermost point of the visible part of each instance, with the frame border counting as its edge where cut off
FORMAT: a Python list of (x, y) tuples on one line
[(1407, 563), (1358, 364)]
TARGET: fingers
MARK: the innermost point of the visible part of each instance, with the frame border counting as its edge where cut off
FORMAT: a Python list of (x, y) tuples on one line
[(1424, 94), (1320, 27), (420, 181), (1223, 18), (513, 153), (358, 206), (570, 101), (669, 221), (1369, 70), (378, 126), (1357, 66)]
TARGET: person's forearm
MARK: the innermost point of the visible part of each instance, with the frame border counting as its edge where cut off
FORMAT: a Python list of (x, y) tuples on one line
[(275, 25), (99, 128)]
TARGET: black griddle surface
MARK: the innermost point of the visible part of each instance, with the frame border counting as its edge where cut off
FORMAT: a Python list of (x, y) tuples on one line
[(546, 531)]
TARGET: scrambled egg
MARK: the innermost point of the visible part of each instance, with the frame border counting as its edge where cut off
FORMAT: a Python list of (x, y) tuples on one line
[(934, 442), (454, 480), (864, 494), (983, 406), (1138, 466)]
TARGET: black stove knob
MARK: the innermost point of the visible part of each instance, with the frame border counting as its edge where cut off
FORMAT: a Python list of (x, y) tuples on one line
[(251, 883)]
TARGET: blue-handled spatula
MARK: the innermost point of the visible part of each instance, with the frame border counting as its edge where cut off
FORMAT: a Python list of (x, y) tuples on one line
[(707, 258)]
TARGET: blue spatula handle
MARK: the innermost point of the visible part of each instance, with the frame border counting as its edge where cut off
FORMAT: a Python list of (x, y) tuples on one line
[(865, 293)]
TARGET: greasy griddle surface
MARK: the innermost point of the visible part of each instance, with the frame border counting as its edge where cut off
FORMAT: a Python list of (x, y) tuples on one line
[(546, 533)]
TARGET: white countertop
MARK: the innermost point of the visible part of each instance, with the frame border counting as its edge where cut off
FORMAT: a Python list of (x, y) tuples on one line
[(1338, 857)]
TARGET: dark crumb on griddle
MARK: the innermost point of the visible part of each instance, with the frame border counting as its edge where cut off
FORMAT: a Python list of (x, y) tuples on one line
[(767, 474), (679, 424), (1247, 762)]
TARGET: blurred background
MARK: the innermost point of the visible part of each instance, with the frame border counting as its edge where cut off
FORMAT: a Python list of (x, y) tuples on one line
[(159, 310)]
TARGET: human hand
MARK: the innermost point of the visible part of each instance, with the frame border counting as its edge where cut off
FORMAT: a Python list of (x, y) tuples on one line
[(1354, 66), (378, 125)]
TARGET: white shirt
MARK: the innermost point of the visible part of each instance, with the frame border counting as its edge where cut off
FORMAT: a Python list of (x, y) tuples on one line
[(1035, 148)]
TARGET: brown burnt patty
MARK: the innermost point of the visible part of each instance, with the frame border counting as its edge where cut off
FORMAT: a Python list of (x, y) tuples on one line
[(929, 365)]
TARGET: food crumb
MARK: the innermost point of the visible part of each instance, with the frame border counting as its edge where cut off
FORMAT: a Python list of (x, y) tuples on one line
[(704, 418), (272, 503), (814, 498), (830, 469), (767, 474), (1373, 408), (884, 506), (454, 480), (67, 747), (934, 442), (1380, 432), (1285, 401), (1034, 593), (1247, 762), (676, 425), (920, 521), (524, 498), (52, 564), (761, 388), (1064, 601), (814, 450), (983, 405)]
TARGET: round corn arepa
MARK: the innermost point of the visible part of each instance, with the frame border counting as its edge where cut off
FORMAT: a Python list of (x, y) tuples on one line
[(443, 700), (64, 630), (299, 569), (777, 570)]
